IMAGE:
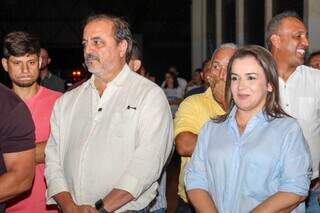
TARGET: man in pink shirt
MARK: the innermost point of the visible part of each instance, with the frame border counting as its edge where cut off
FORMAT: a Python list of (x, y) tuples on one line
[(21, 60)]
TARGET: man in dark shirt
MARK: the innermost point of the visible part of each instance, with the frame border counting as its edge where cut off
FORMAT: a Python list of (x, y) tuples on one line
[(17, 156), (205, 70), (48, 79)]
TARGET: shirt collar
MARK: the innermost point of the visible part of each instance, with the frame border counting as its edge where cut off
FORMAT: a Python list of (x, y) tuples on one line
[(119, 80), (208, 94), (258, 119), (295, 74)]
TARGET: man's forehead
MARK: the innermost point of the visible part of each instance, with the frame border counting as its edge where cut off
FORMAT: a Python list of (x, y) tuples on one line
[(223, 54), (291, 23), (26, 56), (99, 27)]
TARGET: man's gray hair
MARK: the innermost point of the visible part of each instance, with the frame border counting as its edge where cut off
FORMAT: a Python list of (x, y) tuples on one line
[(274, 23), (120, 26), (224, 46)]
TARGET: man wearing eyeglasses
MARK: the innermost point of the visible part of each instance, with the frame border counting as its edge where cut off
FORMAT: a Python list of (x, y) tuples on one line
[(196, 110)]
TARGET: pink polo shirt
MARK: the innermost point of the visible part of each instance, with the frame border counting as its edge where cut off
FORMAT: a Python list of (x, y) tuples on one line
[(41, 106)]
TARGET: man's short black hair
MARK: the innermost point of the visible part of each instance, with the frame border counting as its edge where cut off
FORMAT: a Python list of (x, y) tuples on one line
[(315, 53), (136, 52), (274, 23), (19, 43)]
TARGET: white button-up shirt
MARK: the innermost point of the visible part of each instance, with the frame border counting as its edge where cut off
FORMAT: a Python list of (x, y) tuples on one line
[(300, 98), (119, 140)]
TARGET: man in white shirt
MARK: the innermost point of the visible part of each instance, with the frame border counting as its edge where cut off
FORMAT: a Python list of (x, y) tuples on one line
[(286, 38), (159, 204), (111, 136)]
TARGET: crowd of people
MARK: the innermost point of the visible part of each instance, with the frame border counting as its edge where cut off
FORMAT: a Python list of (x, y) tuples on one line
[(247, 127)]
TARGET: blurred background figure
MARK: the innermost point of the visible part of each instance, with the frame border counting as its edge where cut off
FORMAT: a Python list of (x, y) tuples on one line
[(205, 70), (48, 79), (134, 58), (181, 81), (142, 71), (152, 78), (173, 91), (134, 61), (195, 81), (314, 60)]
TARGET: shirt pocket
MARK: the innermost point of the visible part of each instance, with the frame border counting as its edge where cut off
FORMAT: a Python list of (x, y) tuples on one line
[(259, 182), (123, 122), (308, 108)]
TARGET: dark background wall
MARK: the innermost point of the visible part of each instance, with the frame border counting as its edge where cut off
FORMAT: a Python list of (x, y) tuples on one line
[(161, 26)]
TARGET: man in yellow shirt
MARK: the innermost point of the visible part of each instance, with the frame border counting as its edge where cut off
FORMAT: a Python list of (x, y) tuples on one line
[(196, 110)]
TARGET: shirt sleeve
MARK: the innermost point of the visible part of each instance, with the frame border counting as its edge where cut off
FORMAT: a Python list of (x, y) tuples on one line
[(18, 130), (296, 163), (54, 173), (155, 141), (185, 120), (195, 171), (180, 92)]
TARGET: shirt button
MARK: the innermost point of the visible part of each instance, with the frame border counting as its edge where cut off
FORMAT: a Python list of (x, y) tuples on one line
[(287, 105)]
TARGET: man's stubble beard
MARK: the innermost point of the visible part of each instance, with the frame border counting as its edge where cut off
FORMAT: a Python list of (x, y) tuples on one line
[(24, 85), (99, 71)]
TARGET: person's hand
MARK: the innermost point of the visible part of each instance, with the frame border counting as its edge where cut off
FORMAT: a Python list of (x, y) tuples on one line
[(315, 187), (218, 92), (217, 86), (213, 78)]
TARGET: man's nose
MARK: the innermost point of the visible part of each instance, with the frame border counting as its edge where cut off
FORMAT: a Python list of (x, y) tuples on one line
[(305, 41), (24, 68), (87, 48)]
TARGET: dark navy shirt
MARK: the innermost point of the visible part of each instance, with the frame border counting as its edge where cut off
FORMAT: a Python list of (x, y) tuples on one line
[(16, 127)]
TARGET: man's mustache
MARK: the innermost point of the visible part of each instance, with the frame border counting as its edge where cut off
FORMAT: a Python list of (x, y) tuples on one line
[(91, 57)]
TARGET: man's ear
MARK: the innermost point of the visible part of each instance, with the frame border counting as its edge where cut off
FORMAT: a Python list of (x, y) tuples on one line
[(40, 62), (4, 62), (123, 45), (275, 40), (49, 60), (202, 76), (136, 65)]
